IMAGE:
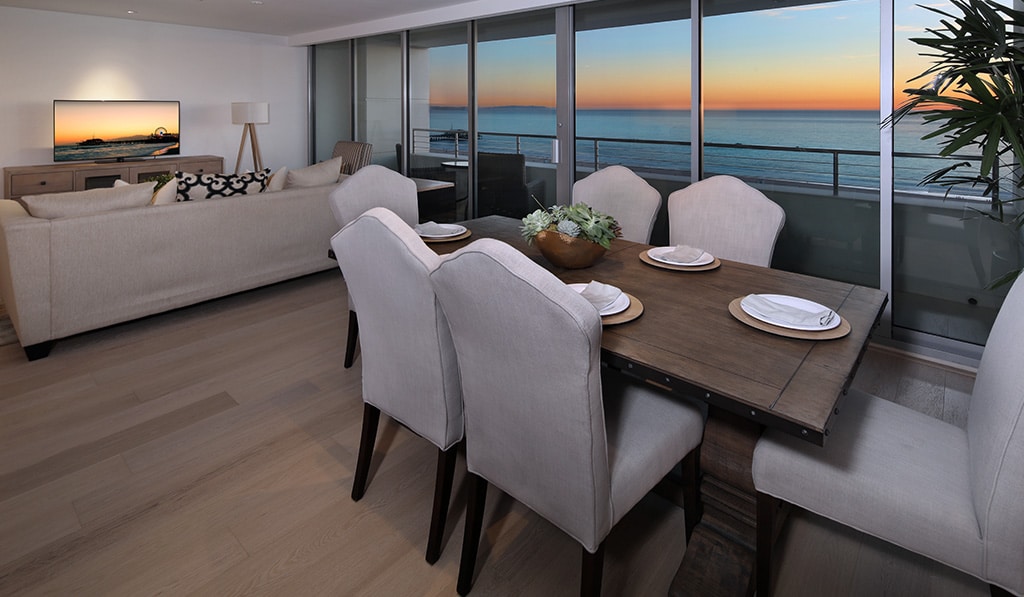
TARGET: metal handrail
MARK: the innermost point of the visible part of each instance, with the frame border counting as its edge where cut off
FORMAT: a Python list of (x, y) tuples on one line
[(426, 141)]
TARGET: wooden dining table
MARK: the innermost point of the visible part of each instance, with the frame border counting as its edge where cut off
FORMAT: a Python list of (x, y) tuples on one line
[(687, 341)]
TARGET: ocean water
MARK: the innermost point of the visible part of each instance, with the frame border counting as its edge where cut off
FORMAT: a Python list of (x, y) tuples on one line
[(804, 145), (111, 151)]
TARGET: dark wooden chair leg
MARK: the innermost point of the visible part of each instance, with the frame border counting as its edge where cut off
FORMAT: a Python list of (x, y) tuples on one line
[(766, 507), (442, 495), (371, 416), (38, 351), (593, 571), (692, 507), (353, 337), (474, 526)]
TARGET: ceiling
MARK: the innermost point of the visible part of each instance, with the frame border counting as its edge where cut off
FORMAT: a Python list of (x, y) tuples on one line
[(314, 21), (274, 17)]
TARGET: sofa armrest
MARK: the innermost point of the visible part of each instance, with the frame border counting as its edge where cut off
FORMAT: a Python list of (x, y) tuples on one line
[(25, 272)]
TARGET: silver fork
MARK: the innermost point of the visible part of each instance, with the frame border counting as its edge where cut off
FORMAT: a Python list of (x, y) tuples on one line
[(827, 318)]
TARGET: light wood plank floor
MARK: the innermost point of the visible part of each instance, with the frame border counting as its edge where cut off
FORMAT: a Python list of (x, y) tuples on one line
[(209, 451)]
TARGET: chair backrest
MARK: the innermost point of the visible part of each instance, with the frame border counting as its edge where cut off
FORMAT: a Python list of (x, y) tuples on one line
[(409, 367), (529, 351), (375, 186), (355, 154), (726, 217), (995, 436), (620, 193)]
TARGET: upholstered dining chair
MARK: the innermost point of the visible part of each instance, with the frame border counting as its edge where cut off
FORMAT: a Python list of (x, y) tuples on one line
[(954, 495), (409, 367), (355, 155), (620, 193), (545, 423), (726, 217), (371, 186)]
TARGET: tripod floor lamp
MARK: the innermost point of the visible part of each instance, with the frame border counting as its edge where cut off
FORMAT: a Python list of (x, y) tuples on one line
[(250, 114)]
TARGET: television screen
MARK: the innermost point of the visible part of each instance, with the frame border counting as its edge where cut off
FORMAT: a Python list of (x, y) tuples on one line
[(114, 130)]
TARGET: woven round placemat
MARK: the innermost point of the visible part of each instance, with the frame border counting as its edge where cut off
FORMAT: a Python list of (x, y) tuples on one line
[(448, 239), (837, 332), (634, 310), (679, 268)]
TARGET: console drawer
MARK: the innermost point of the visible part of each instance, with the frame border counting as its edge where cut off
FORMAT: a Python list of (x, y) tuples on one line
[(45, 182)]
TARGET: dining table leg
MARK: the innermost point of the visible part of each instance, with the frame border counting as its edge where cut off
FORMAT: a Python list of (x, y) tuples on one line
[(720, 556)]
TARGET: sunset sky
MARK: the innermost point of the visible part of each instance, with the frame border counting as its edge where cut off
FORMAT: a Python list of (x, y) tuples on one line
[(78, 121), (822, 56)]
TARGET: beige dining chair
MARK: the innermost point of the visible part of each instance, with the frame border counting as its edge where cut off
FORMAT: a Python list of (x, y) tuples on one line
[(355, 155), (409, 367), (372, 186), (575, 442), (954, 495), (620, 193), (726, 217)]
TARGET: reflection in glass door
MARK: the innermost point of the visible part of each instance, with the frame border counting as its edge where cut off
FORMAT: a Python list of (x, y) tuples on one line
[(515, 74), (946, 250)]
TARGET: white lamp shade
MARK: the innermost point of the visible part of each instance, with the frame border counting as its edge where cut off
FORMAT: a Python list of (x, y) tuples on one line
[(246, 112)]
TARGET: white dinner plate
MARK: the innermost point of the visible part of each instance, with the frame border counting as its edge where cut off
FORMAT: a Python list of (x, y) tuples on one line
[(451, 230), (657, 254), (797, 303), (618, 306)]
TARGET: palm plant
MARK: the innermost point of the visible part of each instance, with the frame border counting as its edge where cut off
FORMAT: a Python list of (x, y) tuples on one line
[(975, 100)]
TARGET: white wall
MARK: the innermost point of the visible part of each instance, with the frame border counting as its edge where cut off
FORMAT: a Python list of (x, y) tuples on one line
[(50, 55)]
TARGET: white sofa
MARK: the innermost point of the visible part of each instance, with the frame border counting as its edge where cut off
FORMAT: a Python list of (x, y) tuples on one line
[(67, 275)]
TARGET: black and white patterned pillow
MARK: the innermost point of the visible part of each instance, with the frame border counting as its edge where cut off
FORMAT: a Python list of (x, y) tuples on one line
[(195, 187)]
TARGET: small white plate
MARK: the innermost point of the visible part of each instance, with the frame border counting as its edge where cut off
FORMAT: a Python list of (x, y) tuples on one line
[(797, 303), (657, 254), (618, 306), (452, 230)]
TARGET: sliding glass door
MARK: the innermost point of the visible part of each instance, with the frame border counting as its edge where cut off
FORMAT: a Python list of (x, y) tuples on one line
[(791, 100), (515, 90), (379, 108)]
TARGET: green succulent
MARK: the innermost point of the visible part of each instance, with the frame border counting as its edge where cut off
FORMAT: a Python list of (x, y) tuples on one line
[(569, 228), (577, 220), (534, 223)]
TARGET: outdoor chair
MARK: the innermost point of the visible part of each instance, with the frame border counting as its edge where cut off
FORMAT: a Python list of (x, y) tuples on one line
[(355, 154)]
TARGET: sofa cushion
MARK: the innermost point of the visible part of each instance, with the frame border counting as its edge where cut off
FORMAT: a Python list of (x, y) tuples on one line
[(80, 203), (277, 180), (323, 173), (196, 187), (166, 194)]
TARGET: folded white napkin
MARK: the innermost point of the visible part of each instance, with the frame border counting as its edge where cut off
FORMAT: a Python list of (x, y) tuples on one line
[(785, 314), (432, 229), (600, 295), (683, 254)]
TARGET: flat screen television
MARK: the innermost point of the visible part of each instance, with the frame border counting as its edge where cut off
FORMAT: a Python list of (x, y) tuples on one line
[(114, 130)]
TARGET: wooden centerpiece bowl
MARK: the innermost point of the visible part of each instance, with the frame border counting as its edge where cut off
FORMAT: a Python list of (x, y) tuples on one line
[(566, 251)]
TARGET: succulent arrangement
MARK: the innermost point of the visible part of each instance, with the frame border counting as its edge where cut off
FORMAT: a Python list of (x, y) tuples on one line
[(578, 221)]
